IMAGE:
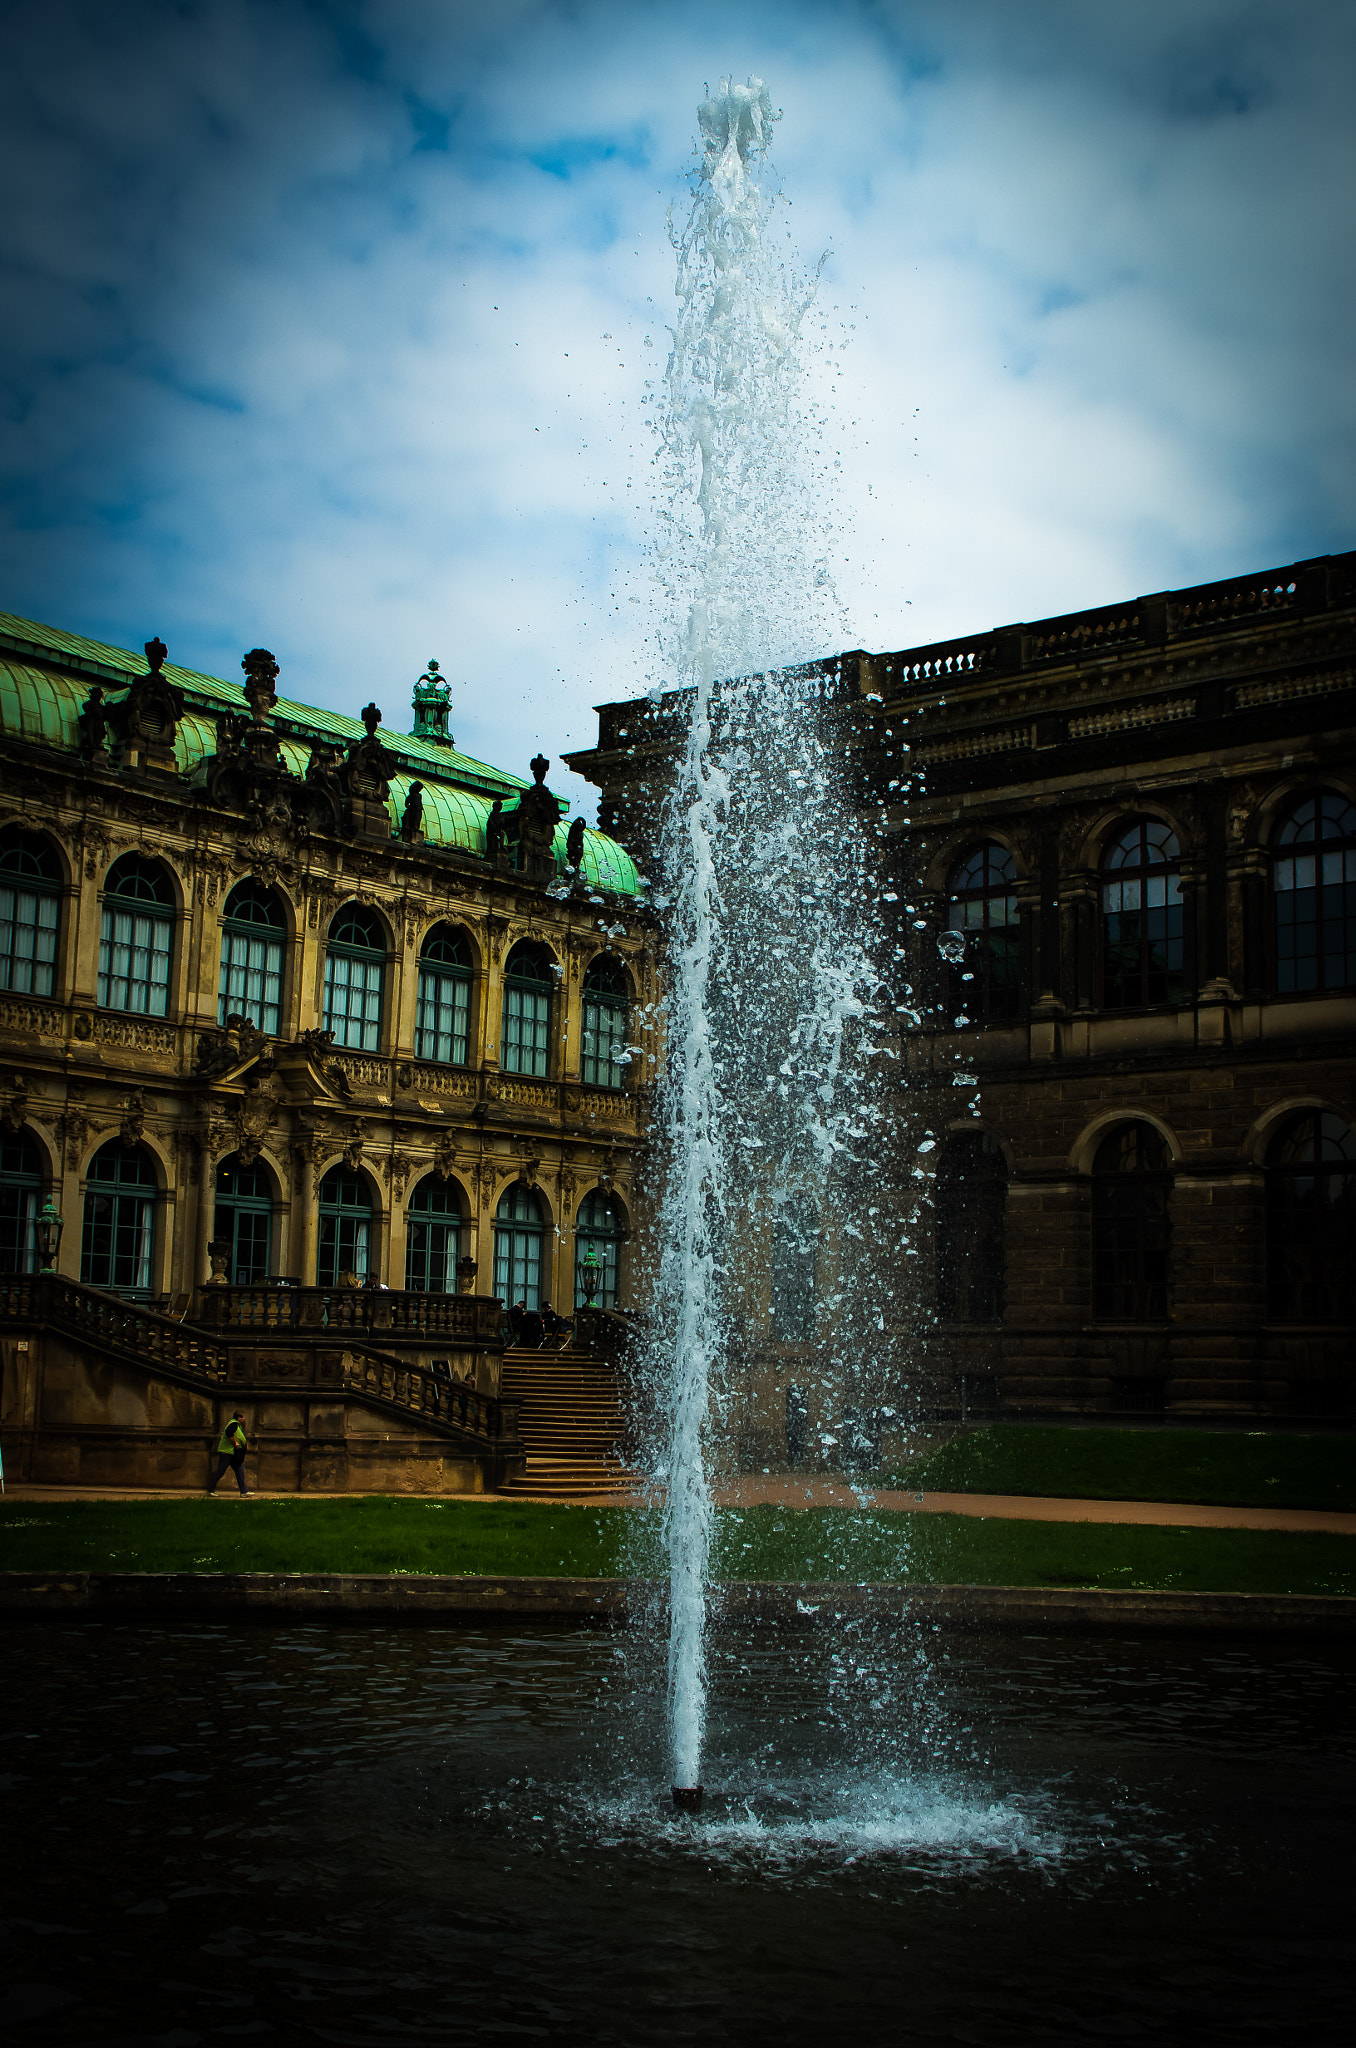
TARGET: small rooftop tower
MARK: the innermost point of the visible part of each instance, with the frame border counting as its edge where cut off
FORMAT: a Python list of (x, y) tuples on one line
[(431, 695)]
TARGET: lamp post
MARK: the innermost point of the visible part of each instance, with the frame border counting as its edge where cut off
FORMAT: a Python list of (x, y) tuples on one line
[(47, 1228), (588, 1274)]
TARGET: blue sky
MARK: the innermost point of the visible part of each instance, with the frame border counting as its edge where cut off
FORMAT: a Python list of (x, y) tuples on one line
[(328, 325)]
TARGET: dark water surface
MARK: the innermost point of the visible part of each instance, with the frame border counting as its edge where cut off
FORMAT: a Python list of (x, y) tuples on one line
[(388, 1835)]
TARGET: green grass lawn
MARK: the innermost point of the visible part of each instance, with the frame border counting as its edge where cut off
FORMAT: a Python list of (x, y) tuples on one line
[(402, 1535), (1225, 1467)]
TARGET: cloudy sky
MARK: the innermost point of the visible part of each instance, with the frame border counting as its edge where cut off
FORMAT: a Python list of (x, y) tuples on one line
[(327, 324)]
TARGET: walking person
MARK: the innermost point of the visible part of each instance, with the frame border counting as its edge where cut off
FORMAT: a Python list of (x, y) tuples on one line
[(231, 1454)]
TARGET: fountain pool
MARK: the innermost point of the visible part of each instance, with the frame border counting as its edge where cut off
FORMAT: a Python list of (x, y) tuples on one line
[(374, 1834)]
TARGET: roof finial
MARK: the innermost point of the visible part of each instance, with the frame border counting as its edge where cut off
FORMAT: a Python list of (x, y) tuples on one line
[(431, 695)]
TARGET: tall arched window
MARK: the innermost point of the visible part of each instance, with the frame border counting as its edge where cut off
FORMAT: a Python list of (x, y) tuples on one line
[(519, 1233), (603, 1058), (121, 1197), (252, 934), (970, 1203), (21, 1183), (136, 937), (355, 963), (30, 906), (433, 1237), (1313, 885), (794, 1279), (982, 907), (1311, 1221), (1143, 951), (244, 1220), (443, 1018), (526, 1047), (345, 1227), (1131, 1183), (598, 1229)]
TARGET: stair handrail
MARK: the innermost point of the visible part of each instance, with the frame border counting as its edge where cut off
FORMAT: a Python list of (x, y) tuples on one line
[(260, 1306), (125, 1326), (395, 1382)]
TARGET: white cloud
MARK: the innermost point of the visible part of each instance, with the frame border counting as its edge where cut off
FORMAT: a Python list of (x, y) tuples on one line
[(285, 375)]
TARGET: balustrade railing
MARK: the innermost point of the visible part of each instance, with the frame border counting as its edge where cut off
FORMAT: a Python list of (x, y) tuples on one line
[(427, 1393), (472, 1317), (121, 1325)]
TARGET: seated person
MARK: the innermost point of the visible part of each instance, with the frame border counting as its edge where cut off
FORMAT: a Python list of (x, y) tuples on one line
[(533, 1332), (555, 1326)]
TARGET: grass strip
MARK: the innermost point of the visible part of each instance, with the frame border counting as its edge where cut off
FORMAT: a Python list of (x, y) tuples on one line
[(1222, 1468), (530, 1541)]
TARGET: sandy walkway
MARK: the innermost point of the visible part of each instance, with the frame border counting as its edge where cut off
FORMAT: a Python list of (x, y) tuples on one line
[(830, 1493)]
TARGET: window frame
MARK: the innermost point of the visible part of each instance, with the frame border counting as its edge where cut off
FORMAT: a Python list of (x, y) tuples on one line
[(1338, 1256), (1338, 847), (610, 1236), (250, 932), (238, 1205), (44, 890), (1144, 874), (144, 924), (435, 978), (596, 1005), (143, 1198), (22, 1189), (370, 959), (517, 988), (430, 1222), (507, 1230), (986, 998), (331, 1216), (1116, 1218)]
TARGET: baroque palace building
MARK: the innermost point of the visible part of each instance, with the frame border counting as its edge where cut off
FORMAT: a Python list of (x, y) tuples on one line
[(1118, 854), (290, 1002)]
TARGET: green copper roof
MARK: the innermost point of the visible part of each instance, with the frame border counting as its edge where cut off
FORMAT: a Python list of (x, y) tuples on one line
[(45, 677)]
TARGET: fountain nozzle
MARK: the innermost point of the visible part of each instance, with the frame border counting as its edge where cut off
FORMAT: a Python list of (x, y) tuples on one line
[(687, 1798)]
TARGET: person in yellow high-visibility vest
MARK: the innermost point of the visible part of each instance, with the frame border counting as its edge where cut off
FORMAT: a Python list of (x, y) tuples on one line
[(231, 1453)]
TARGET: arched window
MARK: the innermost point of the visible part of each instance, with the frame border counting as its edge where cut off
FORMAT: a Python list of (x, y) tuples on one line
[(793, 1291), (518, 1236), (527, 1012), (970, 1202), (598, 1229), (443, 1018), (136, 936), (1143, 951), (1313, 885), (121, 1198), (252, 932), (603, 1058), (1131, 1183), (30, 905), (355, 962), (345, 1227), (21, 1184), (982, 907), (1311, 1221), (244, 1220), (433, 1238)]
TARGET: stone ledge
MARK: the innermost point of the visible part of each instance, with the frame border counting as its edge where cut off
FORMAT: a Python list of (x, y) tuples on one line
[(315, 1596)]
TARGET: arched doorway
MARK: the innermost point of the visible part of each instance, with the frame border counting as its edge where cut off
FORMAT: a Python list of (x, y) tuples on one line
[(598, 1229), (519, 1236), (346, 1234), (122, 1194), (21, 1184), (244, 1220), (433, 1237), (1131, 1183)]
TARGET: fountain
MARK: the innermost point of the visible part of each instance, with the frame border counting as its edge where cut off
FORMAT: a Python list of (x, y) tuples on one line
[(777, 1064)]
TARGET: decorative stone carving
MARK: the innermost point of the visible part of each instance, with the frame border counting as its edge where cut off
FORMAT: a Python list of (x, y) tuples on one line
[(93, 723), (396, 1171), (444, 1159), (217, 1052), (494, 831), (574, 844), (353, 1146), (412, 817), (366, 778), (149, 716), (73, 1130), (133, 1126), (16, 1109)]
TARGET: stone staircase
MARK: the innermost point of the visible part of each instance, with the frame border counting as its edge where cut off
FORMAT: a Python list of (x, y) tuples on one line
[(571, 1424)]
